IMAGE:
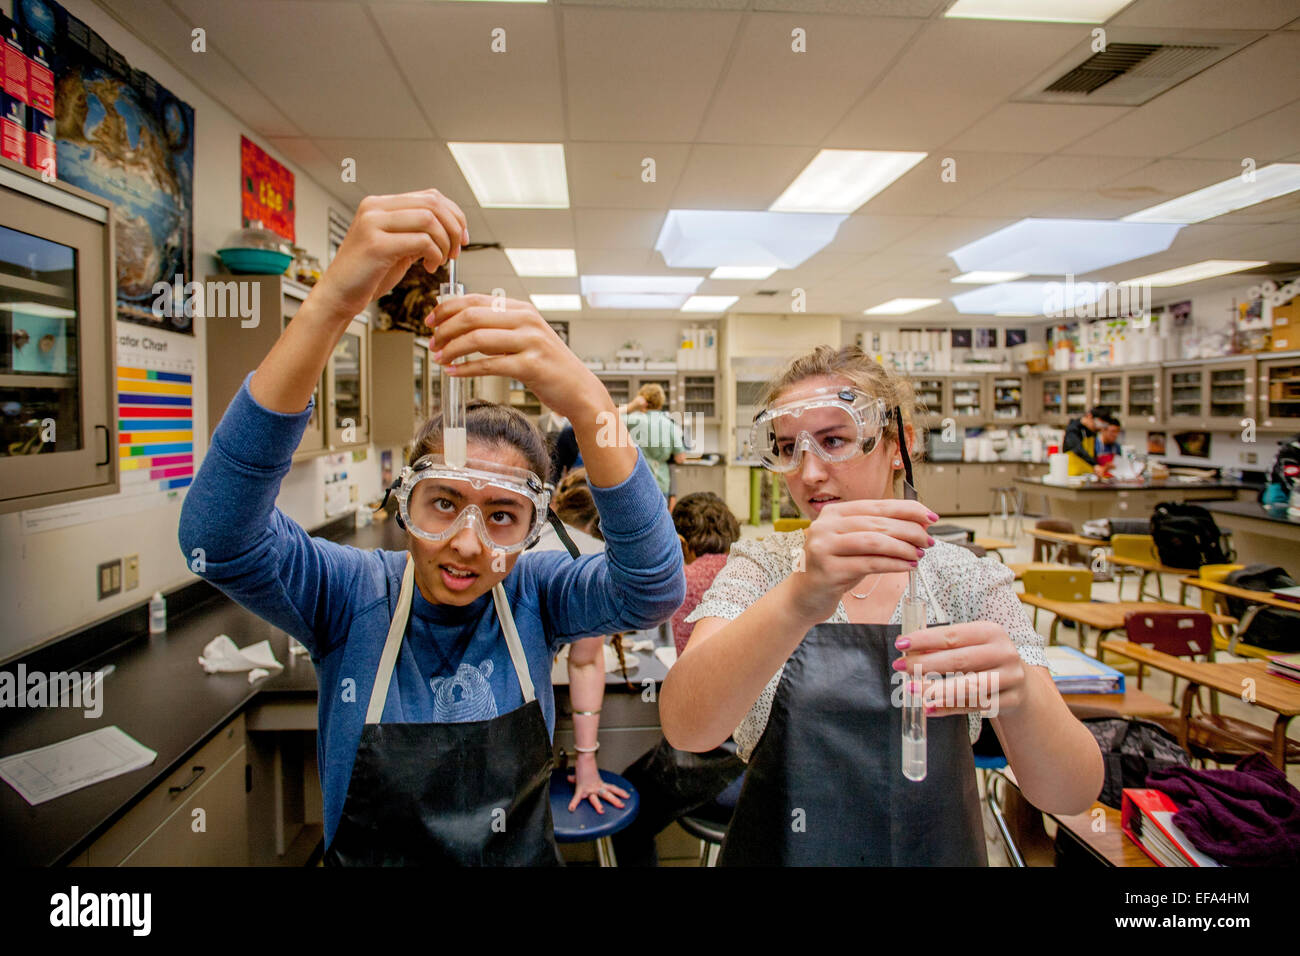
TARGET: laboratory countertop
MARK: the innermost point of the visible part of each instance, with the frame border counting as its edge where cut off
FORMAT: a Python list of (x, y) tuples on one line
[(159, 695), (1249, 508), (1212, 484)]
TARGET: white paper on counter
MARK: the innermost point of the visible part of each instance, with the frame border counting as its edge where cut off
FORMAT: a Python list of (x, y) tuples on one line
[(51, 771)]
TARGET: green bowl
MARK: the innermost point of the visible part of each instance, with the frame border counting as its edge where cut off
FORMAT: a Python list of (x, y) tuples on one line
[(254, 261)]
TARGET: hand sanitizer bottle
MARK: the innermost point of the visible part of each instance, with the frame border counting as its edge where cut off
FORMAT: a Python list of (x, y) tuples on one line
[(157, 614)]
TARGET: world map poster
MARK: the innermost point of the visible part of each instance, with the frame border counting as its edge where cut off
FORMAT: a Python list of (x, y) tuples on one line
[(124, 138)]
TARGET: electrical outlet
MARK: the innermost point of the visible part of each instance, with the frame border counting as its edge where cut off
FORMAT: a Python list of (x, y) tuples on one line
[(1249, 458), (109, 578), (130, 572), (353, 492)]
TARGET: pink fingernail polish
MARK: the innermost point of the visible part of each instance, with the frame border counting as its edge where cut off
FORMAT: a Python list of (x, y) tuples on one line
[(920, 552), (899, 665), (912, 563), (903, 643), (930, 542), (932, 516), (437, 356)]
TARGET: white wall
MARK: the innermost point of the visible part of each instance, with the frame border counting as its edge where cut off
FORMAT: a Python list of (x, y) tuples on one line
[(47, 580)]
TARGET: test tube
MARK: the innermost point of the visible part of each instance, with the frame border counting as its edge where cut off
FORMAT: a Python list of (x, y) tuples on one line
[(454, 390), (914, 762)]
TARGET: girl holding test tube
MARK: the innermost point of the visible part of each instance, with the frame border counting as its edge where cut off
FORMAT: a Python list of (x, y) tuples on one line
[(798, 653), (436, 706)]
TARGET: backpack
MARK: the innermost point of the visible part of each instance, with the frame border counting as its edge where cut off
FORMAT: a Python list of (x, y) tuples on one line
[(1131, 749), (1272, 628), (1187, 537), (1286, 464)]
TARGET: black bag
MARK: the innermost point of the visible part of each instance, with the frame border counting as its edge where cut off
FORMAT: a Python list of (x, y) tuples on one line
[(1272, 628), (1131, 749), (1187, 537), (1286, 466)]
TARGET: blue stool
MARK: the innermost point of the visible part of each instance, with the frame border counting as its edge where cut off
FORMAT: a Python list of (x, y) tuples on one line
[(585, 823)]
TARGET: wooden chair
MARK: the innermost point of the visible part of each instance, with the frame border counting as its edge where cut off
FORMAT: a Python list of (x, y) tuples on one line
[(1141, 546), (1210, 736), (1058, 585)]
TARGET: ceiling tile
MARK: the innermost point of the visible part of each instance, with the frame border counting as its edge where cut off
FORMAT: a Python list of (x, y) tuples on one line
[(738, 177), (1035, 127), (869, 233), (946, 179), (772, 94), (468, 91), (612, 174), (531, 228), (1266, 139), (618, 228), (343, 76), (1076, 172), (1207, 14), (666, 65)]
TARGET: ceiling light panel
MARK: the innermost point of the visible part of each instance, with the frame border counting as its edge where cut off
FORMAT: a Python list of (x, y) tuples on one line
[(706, 239), (841, 180), (543, 262), (1064, 246), (1227, 196), (514, 175)]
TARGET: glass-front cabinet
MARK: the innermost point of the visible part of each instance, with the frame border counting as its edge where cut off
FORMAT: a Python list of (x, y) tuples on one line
[(1185, 395), (1108, 390), (1142, 397), (1008, 395), (1230, 394), (1076, 394), (58, 427), (967, 399), (1051, 399), (1279, 393), (347, 381), (931, 394)]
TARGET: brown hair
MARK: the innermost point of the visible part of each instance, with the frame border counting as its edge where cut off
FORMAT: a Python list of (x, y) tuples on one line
[(575, 505), (653, 395), (865, 373), (707, 524), (494, 424)]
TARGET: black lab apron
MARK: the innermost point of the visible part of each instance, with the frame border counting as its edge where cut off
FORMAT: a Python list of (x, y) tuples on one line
[(824, 785), (475, 793)]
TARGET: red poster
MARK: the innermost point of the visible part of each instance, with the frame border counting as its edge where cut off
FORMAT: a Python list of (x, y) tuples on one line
[(267, 190)]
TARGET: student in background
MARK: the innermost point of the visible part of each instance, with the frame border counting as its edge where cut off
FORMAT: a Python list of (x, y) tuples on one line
[(708, 529), (1081, 442), (1108, 447), (657, 435)]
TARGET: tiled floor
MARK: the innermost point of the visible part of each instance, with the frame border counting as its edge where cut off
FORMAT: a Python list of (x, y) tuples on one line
[(1156, 683)]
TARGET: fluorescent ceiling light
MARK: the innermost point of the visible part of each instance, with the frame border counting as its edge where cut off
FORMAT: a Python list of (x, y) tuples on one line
[(841, 180), (1047, 11), (1195, 272), (710, 303), (986, 277), (1064, 246), (742, 272), (1024, 298), (705, 239), (514, 175), (901, 306), (557, 303), (1227, 196), (543, 262), (639, 292)]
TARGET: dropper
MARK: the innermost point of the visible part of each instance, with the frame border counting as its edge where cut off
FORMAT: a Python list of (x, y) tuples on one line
[(454, 389)]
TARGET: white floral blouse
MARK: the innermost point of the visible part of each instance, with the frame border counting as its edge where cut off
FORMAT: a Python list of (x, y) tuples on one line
[(957, 586)]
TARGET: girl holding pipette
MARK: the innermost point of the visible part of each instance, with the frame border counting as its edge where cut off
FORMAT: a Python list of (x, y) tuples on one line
[(436, 708), (798, 651)]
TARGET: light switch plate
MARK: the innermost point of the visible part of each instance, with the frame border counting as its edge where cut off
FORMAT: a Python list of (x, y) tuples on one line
[(109, 578), (130, 572)]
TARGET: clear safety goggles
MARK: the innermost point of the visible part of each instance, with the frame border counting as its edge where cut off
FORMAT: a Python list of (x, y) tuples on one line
[(506, 506), (835, 424)]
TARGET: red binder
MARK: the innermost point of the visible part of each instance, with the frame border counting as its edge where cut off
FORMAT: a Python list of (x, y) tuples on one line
[(1147, 819)]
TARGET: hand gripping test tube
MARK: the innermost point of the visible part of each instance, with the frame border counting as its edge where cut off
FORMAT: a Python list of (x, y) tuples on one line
[(454, 390), (914, 762)]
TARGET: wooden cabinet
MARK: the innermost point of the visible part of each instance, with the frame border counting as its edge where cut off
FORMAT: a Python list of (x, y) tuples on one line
[(937, 486), (1279, 393), (1108, 390), (1185, 395), (347, 388), (968, 399), (1230, 394), (59, 435), (235, 349), (1051, 399), (197, 816), (1078, 387), (931, 398), (1142, 405), (401, 403)]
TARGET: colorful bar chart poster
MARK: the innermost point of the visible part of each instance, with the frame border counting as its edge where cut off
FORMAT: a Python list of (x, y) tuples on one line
[(155, 429)]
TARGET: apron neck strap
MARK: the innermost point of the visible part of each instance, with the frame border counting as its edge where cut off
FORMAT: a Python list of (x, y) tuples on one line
[(397, 629)]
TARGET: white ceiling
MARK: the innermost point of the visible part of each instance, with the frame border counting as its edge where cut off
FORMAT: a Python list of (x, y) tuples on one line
[(711, 90)]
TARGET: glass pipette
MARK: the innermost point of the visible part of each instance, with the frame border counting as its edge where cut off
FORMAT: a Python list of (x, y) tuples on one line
[(913, 619), (454, 390)]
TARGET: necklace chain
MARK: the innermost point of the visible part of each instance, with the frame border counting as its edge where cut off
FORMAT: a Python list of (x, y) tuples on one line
[(863, 597)]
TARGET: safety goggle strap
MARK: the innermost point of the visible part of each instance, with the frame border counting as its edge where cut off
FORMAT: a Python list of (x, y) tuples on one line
[(909, 487)]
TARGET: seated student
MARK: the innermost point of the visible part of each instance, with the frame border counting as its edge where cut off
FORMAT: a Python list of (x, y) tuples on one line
[(436, 708), (1081, 442), (1108, 446), (797, 644), (708, 529)]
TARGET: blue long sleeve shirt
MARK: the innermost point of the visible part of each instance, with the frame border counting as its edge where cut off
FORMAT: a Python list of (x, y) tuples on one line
[(338, 600)]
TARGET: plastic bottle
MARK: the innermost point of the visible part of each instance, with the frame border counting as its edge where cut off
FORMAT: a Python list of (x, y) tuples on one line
[(157, 614)]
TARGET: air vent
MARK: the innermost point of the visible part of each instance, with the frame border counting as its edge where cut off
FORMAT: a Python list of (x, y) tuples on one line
[(1135, 68)]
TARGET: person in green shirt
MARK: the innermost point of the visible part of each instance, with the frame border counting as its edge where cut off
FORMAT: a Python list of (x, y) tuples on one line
[(656, 434)]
